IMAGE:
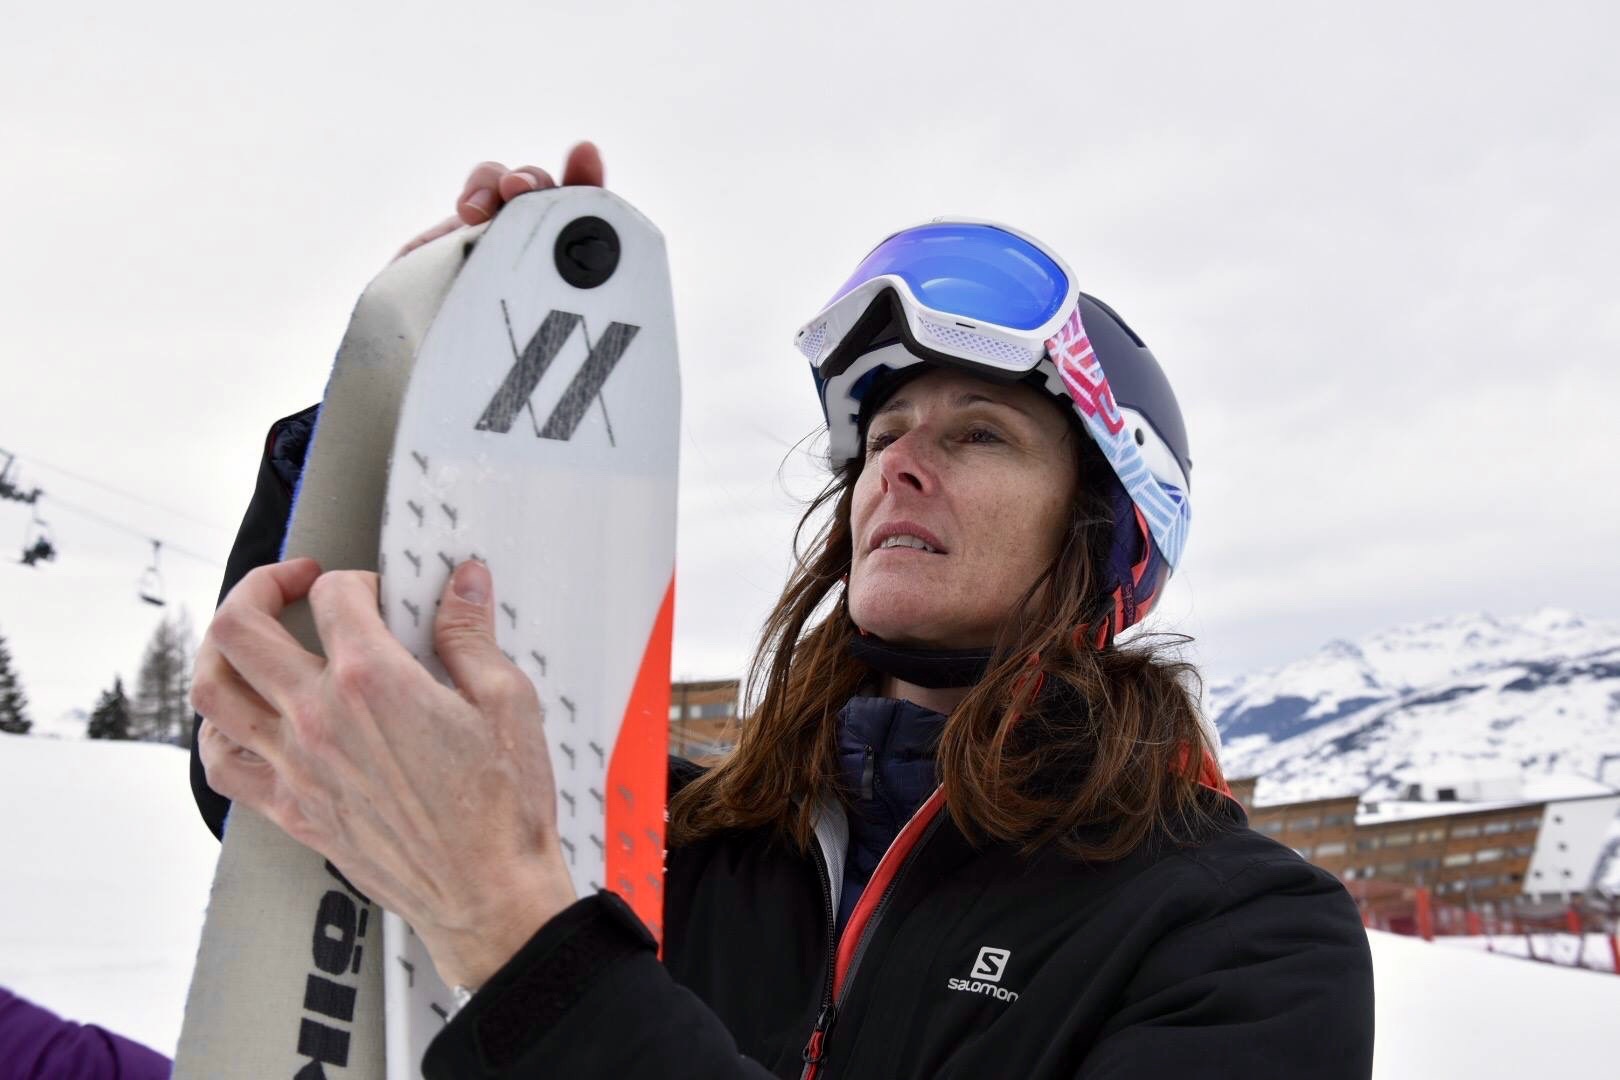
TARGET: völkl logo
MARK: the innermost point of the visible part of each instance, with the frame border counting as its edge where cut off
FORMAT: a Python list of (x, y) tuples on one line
[(531, 364)]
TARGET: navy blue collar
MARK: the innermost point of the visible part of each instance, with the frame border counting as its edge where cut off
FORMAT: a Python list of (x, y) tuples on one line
[(936, 669)]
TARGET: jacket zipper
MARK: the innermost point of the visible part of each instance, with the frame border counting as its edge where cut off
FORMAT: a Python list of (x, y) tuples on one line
[(829, 1012), (912, 836)]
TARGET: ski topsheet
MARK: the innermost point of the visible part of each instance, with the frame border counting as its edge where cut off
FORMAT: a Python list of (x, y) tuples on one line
[(539, 434), (557, 334)]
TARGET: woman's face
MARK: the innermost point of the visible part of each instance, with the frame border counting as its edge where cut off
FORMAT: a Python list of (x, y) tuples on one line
[(981, 472)]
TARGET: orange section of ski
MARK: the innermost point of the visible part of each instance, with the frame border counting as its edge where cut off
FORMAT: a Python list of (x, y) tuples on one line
[(637, 777)]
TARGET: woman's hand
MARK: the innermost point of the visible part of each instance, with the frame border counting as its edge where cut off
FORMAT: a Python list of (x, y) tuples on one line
[(492, 185), (439, 805)]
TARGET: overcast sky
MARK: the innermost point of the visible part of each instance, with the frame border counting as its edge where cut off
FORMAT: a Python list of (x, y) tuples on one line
[(1374, 249)]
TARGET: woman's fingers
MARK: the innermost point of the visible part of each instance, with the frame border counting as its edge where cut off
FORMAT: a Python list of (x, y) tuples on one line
[(464, 638), (584, 166), (232, 707), (233, 770), (364, 660), (248, 637), (491, 185), (522, 181), (480, 197)]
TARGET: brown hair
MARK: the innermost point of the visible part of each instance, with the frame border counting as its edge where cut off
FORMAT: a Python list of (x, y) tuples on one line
[(1101, 760)]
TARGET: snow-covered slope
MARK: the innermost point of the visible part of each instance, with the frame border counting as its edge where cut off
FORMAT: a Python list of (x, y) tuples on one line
[(104, 873), (1477, 1016), (1538, 693), (106, 867)]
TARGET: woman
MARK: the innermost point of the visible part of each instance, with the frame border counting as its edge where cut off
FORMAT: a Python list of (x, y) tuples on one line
[(964, 833)]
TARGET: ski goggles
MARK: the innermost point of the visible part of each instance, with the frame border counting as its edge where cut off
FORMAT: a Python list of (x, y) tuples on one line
[(987, 298), (978, 292)]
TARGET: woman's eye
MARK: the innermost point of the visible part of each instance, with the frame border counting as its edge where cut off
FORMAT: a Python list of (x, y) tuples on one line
[(879, 440), (981, 435)]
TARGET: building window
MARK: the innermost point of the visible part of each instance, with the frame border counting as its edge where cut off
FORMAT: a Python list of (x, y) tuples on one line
[(1334, 848), (1426, 836), (674, 712), (1421, 865), (1304, 852), (1333, 821), (1304, 824), (1270, 828), (1463, 832), (1528, 822), (1497, 828), (1461, 858), (1369, 844), (1524, 851), (1397, 839), (1490, 854), (1392, 868), (1446, 794)]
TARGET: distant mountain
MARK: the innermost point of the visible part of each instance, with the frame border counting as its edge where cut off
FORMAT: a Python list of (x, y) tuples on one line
[(1536, 693)]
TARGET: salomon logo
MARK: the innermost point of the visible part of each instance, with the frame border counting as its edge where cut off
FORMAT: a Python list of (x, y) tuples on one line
[(988, 969), (530, 365), (991, 964)]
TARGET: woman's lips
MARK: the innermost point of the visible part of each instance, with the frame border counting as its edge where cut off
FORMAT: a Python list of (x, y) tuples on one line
[(905, 528)]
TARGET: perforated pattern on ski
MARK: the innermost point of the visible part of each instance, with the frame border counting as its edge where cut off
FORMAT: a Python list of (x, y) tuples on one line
[(539, 434)]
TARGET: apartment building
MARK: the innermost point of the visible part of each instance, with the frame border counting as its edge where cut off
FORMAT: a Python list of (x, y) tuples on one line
[(703, 722), (1486, 843)]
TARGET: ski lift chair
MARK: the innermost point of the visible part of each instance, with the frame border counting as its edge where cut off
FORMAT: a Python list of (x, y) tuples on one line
[(38, 546), (150, 588)]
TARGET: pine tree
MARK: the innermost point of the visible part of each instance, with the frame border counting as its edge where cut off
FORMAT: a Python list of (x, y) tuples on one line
[(13, 702), (110, 719), (161, 711)]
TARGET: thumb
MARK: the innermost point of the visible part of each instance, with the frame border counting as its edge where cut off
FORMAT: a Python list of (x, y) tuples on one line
[(464, 631)]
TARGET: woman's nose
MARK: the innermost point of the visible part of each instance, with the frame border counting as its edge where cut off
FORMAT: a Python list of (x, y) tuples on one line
[(905, 463)]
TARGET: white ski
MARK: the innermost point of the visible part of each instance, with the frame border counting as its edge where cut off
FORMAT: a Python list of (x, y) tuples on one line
[(539, 433)]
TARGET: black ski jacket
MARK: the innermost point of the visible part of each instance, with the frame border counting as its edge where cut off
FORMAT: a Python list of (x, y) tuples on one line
[(1232, 957)]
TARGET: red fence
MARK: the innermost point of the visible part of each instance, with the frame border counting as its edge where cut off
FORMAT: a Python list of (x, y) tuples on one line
[(1413, 910)]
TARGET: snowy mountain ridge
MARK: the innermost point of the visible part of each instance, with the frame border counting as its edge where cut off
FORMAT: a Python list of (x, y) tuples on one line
[(1471, 694)]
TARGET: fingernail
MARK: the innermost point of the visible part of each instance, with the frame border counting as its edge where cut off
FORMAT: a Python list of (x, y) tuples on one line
[(533, 184), (482, 200), (472, 582)]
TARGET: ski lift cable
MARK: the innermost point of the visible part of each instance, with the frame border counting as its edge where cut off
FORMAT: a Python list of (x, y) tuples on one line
[(121, 527), (114, 490)]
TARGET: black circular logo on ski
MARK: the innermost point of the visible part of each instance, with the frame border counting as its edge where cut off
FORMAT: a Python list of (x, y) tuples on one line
[(587, 252)]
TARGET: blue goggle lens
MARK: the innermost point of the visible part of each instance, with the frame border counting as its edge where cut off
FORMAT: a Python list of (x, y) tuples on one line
[(977, 272)]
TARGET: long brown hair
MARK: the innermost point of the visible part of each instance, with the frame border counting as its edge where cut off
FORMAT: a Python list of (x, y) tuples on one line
[(1060, 741)]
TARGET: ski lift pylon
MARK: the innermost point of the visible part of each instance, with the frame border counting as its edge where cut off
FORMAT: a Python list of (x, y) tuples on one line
[(151, 584)]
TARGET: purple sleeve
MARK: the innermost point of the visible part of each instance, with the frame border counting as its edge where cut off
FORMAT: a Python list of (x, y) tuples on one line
[(35, 1042)]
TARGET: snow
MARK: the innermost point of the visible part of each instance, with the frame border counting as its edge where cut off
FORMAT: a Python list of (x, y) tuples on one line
[(1556, 789), (1589, 951), (107, 880), (1463, 1013), (107, 866)]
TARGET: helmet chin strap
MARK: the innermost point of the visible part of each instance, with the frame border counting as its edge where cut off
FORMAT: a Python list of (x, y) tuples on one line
[(936, 669)]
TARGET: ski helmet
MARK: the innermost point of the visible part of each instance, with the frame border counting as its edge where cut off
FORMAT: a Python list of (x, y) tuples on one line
[(984, 297)]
